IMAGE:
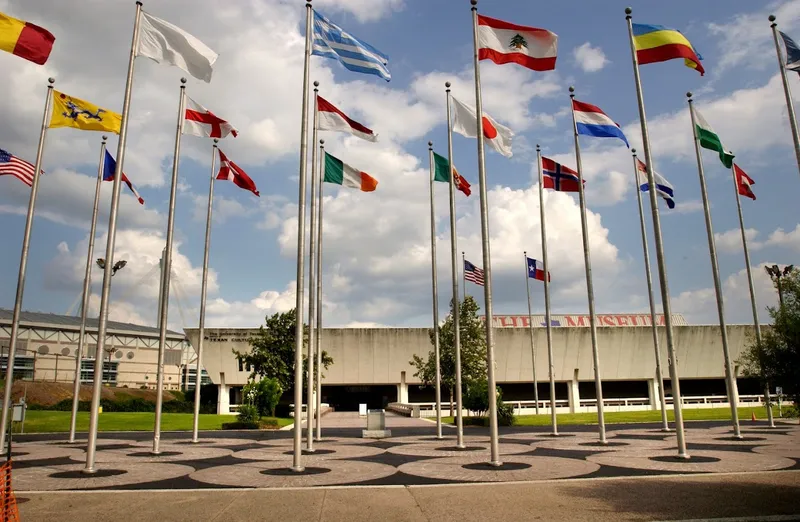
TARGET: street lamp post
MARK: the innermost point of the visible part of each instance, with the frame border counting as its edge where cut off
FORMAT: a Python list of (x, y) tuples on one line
[(776, 274), (119, 265)]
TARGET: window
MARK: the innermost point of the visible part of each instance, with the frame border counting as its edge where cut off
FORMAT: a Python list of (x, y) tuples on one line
[(23, 366), (191, 378), (109, 371), (243, 367)]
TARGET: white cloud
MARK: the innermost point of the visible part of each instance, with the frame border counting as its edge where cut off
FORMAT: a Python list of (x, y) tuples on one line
[(686, 207), (780, 238), (588, 58), (731, 240)]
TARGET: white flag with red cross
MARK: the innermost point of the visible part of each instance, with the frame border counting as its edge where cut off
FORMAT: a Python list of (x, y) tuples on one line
[(204, 123)]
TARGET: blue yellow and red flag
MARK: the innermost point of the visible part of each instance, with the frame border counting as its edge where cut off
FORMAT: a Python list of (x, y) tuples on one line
[(656, 43)]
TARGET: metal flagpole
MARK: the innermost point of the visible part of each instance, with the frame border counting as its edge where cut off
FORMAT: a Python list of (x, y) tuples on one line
[(312, 302), (787, 91), (91, 445), (712, 250), (598, 383), (756, 322), (203, 293), (318, 292), (549, 325), (163, 313), (87, 283), (454, 267), (662, 266), (654, 328), (23, 266), (487, 258), (301, 229), (435, 287), (530, 330)]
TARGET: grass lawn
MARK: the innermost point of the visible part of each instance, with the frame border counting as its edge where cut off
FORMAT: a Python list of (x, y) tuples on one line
[(40, 421), (623, 417)]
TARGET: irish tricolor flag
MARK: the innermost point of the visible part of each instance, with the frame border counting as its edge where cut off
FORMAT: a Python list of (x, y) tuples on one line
[(340, 173), (710, 139)]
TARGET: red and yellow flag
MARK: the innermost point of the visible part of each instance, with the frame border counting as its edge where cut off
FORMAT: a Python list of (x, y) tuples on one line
[(25, 39)]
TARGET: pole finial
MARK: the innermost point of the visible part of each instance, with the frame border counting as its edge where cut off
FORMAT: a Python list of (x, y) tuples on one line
[(51, 80), (216, 140), (772, 18), (316, 84), (183, 81), (447, 84), (139, 3), (322, 142), (633, 151), (538, 149), (105, 138), (689, 95), (430, 145), (525, 252), (571, 91), (474, 3), (628, 12)]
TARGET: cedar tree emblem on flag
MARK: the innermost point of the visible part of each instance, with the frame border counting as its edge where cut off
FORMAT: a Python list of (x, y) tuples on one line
[(518, 42)]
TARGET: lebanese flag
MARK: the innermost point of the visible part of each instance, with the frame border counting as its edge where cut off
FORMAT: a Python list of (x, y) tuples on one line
[(465, 123), (504, 42), (743, 182), (232, 172), (204, 123), (331, 118)]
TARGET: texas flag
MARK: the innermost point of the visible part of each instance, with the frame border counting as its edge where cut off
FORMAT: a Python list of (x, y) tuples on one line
[(536, 270), (591, 121), (743, 182), (465, 123), (233, 172), (110, 167), (558, 177), (204, 123)]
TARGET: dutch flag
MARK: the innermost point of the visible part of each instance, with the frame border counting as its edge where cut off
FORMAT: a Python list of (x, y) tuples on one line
[(591, 121)]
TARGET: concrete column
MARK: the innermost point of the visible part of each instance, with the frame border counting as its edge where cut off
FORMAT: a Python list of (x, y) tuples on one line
[(574, 394), (652, 394), (402, 389), (223, 396)]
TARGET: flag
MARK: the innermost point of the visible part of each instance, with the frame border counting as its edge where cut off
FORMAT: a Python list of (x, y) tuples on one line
[(473, 273), (331, 41), (331, 118), (233, 172), (591, 121), (465, 123), (503, 42), (11, 165), (535, 270), (204, 123), (792, 53), (110, 168), (656, 43), (25, 39), (80, 114), (663, 187), (710, 140), (743, 183), (442, 167), (340, 173), (161, 41), (559, 177)]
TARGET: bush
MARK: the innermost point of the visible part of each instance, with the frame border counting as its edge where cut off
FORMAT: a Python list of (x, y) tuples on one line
[(475, 421), (505, 414), (264, 394), (248, 413), (477, 397), (239, 425)]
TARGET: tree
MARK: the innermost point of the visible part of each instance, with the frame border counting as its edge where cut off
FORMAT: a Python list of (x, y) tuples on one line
[(777, 360), (264, 395), (272, 350), (518, 42), (473, 350)]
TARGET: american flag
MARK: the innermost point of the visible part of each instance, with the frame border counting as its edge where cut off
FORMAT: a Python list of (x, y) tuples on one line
[(12, 165), (473, 273)]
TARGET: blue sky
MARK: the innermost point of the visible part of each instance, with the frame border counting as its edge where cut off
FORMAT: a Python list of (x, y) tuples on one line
[(377, 260)]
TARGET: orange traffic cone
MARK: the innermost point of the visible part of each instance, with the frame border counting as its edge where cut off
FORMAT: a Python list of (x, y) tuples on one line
[(753, 416)]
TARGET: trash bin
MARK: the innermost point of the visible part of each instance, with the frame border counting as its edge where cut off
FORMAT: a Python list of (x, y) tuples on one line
[(376, 420)]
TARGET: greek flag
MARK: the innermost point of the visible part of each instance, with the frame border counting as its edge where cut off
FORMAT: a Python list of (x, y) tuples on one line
[(331, 41)]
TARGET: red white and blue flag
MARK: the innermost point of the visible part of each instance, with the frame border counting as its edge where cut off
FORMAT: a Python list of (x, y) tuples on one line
[(17, 167), (110, 167), (473, 273), (591, 121), (558, 177), (536, 270)]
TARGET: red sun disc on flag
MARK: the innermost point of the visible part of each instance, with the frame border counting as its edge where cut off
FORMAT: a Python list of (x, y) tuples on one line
[(489, 130)]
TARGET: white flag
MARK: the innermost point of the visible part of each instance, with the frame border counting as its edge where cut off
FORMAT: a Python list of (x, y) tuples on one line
[(161, 41), (465, 123)]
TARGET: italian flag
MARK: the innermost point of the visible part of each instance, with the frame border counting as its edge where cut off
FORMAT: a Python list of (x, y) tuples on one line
[(340, 173), (710, 139)]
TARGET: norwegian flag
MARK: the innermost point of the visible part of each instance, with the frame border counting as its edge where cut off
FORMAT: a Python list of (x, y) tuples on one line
[(202, 122), (232, 172), (558, 177), (743, 182)]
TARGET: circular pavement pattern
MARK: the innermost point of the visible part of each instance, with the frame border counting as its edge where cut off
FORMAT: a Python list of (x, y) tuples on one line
[(256, 474), (540, 468), (791, 451), (729, 461), (593, 444), (449, 439), (40, 479), (446, 449), (42, 451), (339, 451), (169, 453)]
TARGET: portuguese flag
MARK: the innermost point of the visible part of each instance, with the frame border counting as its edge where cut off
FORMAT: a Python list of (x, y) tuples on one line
[(710, 139), (441, 169), (340, 173)]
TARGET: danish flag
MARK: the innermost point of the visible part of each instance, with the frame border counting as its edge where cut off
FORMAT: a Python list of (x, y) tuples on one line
[(233, 172), (204, 123)]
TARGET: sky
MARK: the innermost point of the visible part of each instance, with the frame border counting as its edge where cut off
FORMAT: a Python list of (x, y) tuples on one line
[(376, 254)]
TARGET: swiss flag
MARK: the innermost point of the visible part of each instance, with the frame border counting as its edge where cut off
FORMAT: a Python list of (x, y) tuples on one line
[(232, 172), (201, 122), (743, 182)]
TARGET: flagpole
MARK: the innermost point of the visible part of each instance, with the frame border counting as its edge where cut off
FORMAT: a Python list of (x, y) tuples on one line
[(318, 292), (87, 283), (487, 257), (203, 294), (712, 250), (786, 91), (653, 327), (530, 330), (163, 313), (662, 266), (312, 302), (23, 266), (756, 322), (549, 325), (297, 465), (598, 383), (435, 291), (454, 267), (107, 271)]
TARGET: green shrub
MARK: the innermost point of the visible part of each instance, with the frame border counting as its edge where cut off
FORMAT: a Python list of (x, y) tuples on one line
[(248, 413), (505, 414), (475, 421), (240, 425), (477, 397)]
